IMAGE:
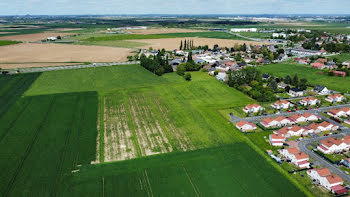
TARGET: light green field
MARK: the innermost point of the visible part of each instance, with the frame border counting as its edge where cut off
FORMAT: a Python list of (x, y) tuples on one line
[(312, 75)]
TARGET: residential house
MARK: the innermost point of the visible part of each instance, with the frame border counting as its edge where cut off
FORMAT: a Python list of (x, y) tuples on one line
[(309, 101), (282, 85), (296, 92), (326, 126), (283, 104), (311, 117), (318, 65), (347, 122), (245, 126), (283, 121), (297, 118), (337, 113), (276, 139), (334, 98), (252, 108), (329, 181), (334, 145), (338, 73), (322, 90), (296, 130), (299, 159), (270, 122)]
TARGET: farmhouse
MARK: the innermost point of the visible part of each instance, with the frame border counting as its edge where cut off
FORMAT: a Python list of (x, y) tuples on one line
[(252, 108), (282, 104), (329, 181), (296, 92), (276, 139), (322, 90), (309, 101), (334, 98), (299, 159), (245, 126), (334, 145)]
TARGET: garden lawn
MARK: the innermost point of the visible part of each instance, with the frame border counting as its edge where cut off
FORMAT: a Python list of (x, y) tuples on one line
[(312, 75)]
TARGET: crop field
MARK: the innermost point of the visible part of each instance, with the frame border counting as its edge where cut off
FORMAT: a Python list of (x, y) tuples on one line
[(8, 42), (219, 35), (234, 170), (12, 87), (34, 37), (55, 53), (163, 30), (124, 131), (312, 75), (42, 139)]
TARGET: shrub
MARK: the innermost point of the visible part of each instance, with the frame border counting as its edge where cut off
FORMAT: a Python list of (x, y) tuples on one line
[(188, 76)]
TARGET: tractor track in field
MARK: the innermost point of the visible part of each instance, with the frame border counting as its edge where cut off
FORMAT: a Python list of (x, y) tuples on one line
[(12, 123), (28, 150), (64, 150)]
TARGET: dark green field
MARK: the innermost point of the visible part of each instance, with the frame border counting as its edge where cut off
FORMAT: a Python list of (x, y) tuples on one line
[(55, 127), (8, 42), (234, 170)]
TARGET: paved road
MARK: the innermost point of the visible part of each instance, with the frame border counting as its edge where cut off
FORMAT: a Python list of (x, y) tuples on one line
[(256, 118), (303, 144), (52, 68)]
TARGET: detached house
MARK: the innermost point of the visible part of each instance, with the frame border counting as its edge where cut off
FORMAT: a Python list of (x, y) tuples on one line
[(311, 117), (334, 98), (245, 126), (322, 90), (297, 118), (309, 101), (318, 65), (334, 145), (329, 181), (299, 159), (283, 104), (283, 121), (269, 122), (252, 108), (295, 92), (276, 139)]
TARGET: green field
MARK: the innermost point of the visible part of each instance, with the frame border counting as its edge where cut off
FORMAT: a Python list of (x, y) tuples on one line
[(221, 35), (8, 42), (312, 75), (69, 118), (256, 35), (207, 172)]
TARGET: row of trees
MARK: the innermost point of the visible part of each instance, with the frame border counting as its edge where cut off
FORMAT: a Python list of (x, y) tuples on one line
[(301, 84), (187, 45), (156, 64)]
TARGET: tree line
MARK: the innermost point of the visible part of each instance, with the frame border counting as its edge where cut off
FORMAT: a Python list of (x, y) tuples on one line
[(156, 64), (186, 45)]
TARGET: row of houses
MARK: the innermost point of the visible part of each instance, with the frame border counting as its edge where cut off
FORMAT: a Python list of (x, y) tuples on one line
[(334, 145), (337, 113), (335, 98), (326, 179), (283, 121)]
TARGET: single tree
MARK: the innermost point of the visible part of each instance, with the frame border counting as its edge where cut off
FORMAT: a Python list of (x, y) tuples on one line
[(181, 45), (295, 80)]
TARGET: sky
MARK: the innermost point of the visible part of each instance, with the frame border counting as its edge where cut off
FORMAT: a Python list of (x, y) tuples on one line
[(116, 7)]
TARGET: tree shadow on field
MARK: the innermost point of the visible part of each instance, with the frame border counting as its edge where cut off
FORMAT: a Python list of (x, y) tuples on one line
[(12, 87)]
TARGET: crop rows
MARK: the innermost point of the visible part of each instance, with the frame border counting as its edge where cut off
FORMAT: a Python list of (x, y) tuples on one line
[(52, 136), (138, 125)]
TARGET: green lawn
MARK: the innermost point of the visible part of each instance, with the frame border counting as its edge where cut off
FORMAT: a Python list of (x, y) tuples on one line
[(207, 172), (312, 75), (61, 120), (8, 42)]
